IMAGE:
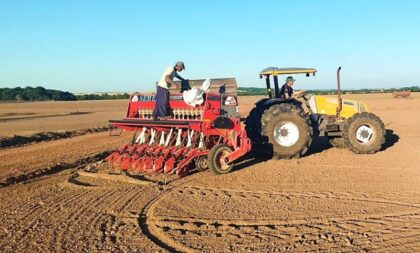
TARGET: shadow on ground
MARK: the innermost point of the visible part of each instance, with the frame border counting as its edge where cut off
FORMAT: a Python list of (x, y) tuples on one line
[(319, 144), (390, 139), (252, 158)]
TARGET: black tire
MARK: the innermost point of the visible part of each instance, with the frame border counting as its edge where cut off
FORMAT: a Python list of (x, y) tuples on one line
[(215, 159), (374, 141), (337, 142), (201, 163), (281, 114), (253, 127)]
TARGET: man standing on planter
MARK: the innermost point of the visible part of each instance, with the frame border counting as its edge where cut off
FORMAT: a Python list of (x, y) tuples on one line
[(162, 90)]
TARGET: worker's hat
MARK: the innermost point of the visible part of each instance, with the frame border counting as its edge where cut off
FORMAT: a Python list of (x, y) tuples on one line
[(180, 63), (290, 79)]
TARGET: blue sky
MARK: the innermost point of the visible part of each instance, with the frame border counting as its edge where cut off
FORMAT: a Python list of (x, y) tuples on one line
[(93, 46)]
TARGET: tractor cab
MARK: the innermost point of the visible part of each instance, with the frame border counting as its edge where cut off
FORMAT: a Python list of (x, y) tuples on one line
[(275, 72), (314, 104)]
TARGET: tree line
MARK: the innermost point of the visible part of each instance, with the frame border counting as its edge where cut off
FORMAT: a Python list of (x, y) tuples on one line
[(34, 94), (102, 96), (41, 94)]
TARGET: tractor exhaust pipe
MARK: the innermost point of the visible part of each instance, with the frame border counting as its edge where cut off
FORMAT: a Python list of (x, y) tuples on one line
[(340, 100)]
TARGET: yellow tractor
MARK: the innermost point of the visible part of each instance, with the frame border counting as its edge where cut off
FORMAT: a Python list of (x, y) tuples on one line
[(284, 128)]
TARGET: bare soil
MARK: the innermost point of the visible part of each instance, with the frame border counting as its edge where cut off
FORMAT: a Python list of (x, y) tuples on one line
[(19, 140), (40, 117), (329, 200)]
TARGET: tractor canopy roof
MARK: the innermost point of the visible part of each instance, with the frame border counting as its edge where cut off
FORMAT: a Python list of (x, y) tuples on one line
[(283, 71)]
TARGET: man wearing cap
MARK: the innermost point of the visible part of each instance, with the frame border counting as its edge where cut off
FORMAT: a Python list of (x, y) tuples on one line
[(286, 90), (162, 89)]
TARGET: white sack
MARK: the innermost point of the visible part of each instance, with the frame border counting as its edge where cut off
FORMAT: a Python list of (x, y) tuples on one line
[(194, 96)]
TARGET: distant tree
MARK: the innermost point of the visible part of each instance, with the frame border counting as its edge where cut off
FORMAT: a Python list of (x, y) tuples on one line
[(21, 97), (34, 94), (103, 96)]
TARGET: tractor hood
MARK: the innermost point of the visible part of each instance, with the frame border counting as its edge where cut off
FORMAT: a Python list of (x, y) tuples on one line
[(327, 106)]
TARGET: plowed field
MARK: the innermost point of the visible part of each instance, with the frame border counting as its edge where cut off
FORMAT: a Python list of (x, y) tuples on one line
[(57, 194)]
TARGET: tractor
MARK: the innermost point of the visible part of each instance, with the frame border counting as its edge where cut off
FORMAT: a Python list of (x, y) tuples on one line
[(284, 128)]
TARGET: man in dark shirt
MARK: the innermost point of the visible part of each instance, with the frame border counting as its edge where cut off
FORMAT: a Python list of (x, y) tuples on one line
[(287, 90)]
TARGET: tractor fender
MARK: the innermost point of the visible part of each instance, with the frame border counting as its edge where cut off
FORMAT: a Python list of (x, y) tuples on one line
[(266, 103)]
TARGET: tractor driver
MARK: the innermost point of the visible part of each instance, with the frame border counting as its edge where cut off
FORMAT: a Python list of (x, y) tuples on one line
[(162, 90), (287, 90)]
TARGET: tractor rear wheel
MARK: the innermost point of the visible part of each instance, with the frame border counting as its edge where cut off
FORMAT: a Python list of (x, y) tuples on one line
[(287, 130), (336, 142), (217, 159), (253, 127), (364, 133)]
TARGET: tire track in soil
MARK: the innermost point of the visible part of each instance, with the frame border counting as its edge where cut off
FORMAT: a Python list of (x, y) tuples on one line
[(92, 216), (19, 141), (129, 218), (30, 205), (109, 229), (80, 163), (106, 215), (36, 208), (82, 201), (253, 232), (53, 207), (81, 212), (28, 225), (317, 233), (331, 195), (146, 219)]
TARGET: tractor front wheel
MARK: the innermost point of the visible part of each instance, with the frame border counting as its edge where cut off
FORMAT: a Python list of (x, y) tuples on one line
[(217, 159), (364, 133)]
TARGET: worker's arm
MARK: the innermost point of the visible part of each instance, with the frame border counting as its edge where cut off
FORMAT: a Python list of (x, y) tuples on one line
[(168, 80), (286, 91), (298, 94), (178, 76)]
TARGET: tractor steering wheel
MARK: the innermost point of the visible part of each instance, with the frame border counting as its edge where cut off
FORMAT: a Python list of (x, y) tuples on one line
[(299, 94)]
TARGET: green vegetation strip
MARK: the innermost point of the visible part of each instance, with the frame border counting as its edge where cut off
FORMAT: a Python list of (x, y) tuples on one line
[(41, 94)]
